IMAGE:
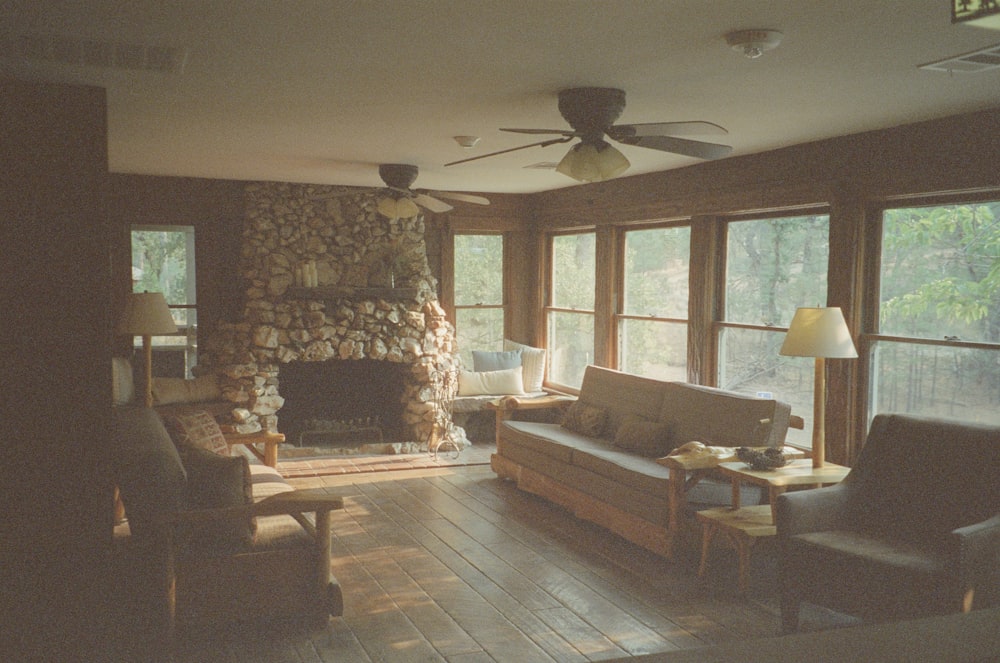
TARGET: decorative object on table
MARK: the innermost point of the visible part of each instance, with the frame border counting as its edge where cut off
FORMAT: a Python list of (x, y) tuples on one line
[(820, 333), (147, 315), (766, 459)]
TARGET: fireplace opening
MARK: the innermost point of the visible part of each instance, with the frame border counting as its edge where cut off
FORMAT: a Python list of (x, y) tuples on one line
[(342, 403)]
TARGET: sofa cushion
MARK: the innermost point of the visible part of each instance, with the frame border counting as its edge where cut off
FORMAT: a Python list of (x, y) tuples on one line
[(643, 474), (533, 361), (585, 419), (501, 383), (495, 361), (644, 437), (620, 395), (545, 438), (722, 418), (148, 469), (217, 482), (197, 429)]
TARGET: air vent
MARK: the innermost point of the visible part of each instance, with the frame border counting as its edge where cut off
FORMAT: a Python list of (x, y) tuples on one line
[(60, 49), (970, 63)]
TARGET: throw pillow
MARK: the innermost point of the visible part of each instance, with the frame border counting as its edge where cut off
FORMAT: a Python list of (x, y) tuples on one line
[(197, 429), (502, 383), (644, 437), (147, 468), (217, 482), (585, 419), (533, 361), (495, 361)]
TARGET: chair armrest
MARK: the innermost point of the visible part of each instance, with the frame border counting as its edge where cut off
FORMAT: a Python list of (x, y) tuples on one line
[(979, 551), (289, 503), (813, 510)]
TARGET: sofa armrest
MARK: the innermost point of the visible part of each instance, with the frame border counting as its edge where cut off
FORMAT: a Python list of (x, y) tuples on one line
[(814, 510)]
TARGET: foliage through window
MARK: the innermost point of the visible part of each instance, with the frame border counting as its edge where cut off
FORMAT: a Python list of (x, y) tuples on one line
[(773, 266), (570, 313), (163, 260), (937, 351), (479, 306), (652, 324)]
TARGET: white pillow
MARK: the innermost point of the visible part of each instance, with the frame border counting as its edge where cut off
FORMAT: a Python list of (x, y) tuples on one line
[(484, 383), (533, 362)]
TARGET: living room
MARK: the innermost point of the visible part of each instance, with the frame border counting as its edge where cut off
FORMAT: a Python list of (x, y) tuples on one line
[(58, 141)]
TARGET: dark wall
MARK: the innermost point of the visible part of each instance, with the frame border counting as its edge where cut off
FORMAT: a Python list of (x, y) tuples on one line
[(56, 376), (214, 207)]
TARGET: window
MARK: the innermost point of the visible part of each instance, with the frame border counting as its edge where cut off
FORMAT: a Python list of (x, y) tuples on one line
[(773, 266), (163, 261), (570, 313), (479, 306), (652, 324), (937, 350)]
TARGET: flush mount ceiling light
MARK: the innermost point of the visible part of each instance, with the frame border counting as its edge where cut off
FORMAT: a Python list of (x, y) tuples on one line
[(753, 43)]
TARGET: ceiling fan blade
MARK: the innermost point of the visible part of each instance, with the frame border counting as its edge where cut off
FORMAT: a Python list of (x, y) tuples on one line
[(463, 197), (563, 132), (543, 143), (692, 128), (690, 148), (433, 204), (345, 191)]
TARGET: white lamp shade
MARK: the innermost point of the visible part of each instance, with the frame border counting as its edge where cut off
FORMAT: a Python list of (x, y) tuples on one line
[(819, 332), (589, 163), (146, 314), (397, 208)]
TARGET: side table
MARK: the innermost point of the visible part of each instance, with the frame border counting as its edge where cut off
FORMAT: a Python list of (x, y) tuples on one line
[(744, 525)]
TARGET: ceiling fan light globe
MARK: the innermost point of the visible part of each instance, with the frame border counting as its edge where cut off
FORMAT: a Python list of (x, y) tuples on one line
[(388, 207), (588, 163), (406, 208)]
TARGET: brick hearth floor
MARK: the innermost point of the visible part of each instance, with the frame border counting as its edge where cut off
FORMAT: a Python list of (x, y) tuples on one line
[(294, 468)]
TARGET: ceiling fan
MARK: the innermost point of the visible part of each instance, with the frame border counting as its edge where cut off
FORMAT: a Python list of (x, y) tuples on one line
[(399, 201), (591, 113)]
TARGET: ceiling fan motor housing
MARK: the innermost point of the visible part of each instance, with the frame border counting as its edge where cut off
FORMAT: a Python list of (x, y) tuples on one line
[(591, 110), (398, 175)]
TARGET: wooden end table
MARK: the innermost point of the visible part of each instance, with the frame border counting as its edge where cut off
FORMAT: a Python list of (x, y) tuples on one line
[(744, 525)]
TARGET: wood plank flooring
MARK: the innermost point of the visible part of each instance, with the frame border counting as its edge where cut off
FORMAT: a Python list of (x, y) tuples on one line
[(454, 565)]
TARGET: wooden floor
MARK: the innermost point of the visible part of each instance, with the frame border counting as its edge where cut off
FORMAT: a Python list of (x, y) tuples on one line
[(452, 564)]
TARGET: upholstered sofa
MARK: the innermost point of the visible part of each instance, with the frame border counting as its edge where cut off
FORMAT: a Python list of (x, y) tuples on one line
[(212, 538), (608, 461)]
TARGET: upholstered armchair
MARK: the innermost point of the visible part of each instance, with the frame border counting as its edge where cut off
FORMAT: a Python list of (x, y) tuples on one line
[(913, 530), (212, 539)]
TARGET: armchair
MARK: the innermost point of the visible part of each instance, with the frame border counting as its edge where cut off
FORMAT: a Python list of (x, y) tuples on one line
[(212, 539), (913, 530)]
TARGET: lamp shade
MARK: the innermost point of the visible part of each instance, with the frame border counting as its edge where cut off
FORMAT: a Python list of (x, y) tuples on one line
[(819, 332), (397, 208), (146, 314)]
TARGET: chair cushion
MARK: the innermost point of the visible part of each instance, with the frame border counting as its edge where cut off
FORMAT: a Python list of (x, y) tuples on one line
[(197, 429), (181, 390), (217, 482), (148, 469)]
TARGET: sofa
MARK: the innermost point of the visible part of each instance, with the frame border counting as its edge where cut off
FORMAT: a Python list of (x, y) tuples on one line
[(211, 538), (608, 461)]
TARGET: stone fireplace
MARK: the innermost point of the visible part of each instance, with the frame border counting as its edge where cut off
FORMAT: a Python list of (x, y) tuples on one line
[(328, 279)]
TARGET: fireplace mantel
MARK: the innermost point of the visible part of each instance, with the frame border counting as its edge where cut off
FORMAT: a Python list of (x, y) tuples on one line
[(333, 293)]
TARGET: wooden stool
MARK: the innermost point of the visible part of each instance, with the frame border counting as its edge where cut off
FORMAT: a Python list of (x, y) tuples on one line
[(742, 527)]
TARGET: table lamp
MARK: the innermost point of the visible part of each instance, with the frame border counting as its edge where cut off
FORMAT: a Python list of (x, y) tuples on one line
[(147, 315), (820, 333)]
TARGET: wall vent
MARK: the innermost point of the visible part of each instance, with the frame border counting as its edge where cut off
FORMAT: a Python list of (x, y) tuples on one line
[(976, 61), (74, 51)]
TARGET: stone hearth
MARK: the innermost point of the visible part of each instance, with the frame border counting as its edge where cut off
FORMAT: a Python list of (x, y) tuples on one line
[(372, 296)]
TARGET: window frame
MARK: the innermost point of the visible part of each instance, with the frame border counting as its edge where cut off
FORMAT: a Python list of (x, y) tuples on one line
[(503, 305), (549, 309)]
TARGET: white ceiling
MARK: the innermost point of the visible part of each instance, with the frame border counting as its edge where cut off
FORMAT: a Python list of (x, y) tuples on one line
[(323, 90)]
